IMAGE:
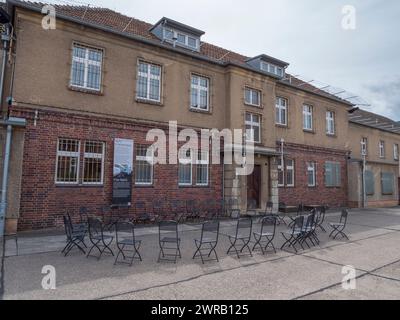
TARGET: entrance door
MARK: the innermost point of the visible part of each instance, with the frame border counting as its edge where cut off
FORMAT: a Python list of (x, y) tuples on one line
[(254, 188)]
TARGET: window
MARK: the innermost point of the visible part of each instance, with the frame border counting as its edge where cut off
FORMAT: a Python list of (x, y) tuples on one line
[(307, 117), (382, 149), (330, 123), (396, 151), (168, 34), (290, 173), (364, 147), (387, 181), (143, 165), (149, 82), (93, 162), (185, 170), (252, 97), (199, 93), (281, 173), (202, 168), (311, 174), (67, 161), (253, 132), (182, 39), (281, 111), (333, 174), (369, 183), (192, 42), (270, 68), (86, 67)]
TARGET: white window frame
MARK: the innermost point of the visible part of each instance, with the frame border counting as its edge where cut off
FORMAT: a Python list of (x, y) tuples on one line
[(279, 108), (150, 160), (251, 102), (86, 61), (198, 88), (330, 123), (382, 151), (396, 151), (87, 155), (281, 168), (364, 146), (253, 124), (149, 77), (203, 161), (311, 167), (175, 35), (288, 169), (272, 68), (307, 115), (68, 154), (183, 184)]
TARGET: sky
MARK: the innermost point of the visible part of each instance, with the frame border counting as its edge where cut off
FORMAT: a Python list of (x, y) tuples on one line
[(308, 34)]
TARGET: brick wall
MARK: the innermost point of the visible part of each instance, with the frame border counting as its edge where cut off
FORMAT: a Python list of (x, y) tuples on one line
[(320, 194), (43, 203)]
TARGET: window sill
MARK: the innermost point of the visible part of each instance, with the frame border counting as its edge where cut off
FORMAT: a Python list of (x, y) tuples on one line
[(200, 111), (308, 131), (88, 91), (284, 126), (189, 186), (62, 185), (140, 186), (151, 102), (331, 135), (253, 105)]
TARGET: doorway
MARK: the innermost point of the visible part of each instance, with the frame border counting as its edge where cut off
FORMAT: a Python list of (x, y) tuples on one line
[(254, 188)]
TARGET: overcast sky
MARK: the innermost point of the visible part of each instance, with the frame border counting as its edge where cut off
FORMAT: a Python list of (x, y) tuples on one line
[(306, 33)]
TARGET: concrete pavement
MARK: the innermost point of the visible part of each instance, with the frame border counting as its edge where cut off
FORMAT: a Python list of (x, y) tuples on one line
[(312, 274)]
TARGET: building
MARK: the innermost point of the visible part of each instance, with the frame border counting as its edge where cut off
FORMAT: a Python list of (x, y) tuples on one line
[(101, 76), (375, 140)]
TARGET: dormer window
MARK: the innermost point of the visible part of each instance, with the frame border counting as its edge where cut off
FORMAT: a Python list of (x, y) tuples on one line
[(268, 67), (177, 34)]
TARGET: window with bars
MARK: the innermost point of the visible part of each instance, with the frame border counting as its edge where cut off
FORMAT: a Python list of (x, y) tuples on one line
[(86, 67), (281, 173), (307, 117), (199, 93), (364, 147), (281, 111), (382, 149), (396, 151), (369, 183), (149, 82), (202, 163), (289, 172), (185, 170), (330, 123), (333, 174), (93, 162), (387, 182), (252, 97), (311, 174), (67, 161), (253, 127), (144, 165)]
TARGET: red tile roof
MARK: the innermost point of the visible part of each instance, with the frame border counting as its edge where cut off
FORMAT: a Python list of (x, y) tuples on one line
[(118, 22)]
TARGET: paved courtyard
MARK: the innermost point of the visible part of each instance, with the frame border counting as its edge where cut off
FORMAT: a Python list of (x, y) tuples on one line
[(316, 273)]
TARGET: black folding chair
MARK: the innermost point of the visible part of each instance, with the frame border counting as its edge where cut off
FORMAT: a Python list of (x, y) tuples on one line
[(141, 214), (309, 230), (321, 213), (338, 227), (208, 241), (99, 240), (178, 209), (242, 236), (169, 241), (77, 227), (193, 210), (126, 242), (294, 235), (300, 211), (74, 237), (266, 236), (158, 209), (235, 214)]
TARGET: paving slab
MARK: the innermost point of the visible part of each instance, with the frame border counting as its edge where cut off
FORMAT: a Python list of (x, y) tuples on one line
[(367, 288)]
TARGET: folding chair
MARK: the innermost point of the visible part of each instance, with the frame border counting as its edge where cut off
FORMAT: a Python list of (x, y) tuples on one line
[(293, 235), (77, 227), (158, 209), (193, 210), (178, 210), (169, 241), (99, 240), (264, 238), (141, 214), (300, 211), (208, 241), (235, 214), (243, 236), (308, 230), (321, 218), (74, 238), (338, 227), (129, 241)]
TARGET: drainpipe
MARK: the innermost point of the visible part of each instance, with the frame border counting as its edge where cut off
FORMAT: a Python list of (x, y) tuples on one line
[(364, 163)]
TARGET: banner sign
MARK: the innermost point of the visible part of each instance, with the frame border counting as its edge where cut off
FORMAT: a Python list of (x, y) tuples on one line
[(122, 172)]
